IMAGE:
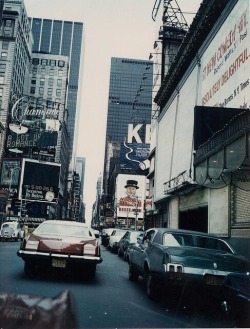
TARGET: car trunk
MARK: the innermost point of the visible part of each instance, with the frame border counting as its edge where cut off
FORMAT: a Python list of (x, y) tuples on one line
[(208, 258), (67, 246)]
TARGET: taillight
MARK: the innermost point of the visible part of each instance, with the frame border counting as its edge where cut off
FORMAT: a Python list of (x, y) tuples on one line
[(89, 249), (174, 271), (32, 245)]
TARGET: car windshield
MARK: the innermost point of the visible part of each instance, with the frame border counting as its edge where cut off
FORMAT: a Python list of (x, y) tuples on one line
[(72, 230), (192, 240)]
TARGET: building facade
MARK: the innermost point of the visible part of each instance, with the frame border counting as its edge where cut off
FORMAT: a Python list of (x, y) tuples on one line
[(129, 107), (15, 54), (64, 38), (201, 163)]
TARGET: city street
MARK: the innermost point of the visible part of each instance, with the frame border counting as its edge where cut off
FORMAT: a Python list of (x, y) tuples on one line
[(110, 300)]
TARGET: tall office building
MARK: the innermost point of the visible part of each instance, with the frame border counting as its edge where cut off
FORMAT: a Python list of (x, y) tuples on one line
[(64, 38), (129, 112)]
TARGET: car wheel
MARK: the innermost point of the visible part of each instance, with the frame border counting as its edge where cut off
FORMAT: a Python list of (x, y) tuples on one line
[(150, 285), (29, 269), (132, 275)]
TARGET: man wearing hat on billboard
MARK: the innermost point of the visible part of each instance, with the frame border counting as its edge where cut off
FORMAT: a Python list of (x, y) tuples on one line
[(131, 198)]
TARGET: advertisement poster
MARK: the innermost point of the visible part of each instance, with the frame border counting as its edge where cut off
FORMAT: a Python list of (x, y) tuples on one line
[(134, 156), (40, 181), (10, 175), (130, 193)]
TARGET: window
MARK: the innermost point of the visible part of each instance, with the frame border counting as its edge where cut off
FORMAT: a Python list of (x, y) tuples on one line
[(58, 92), (50, 90), (32, 90), (33, 81), (42, 82), (41, 90), (59, 82), (44, 61), (51, 82), (4, 55), (61, 63), (34, 70), (1, 80), (1, 92), (51, 72), (35, 61), (5, 45), (43, 70), (2, 68), (60, 73), (52, 62), (8, 23)]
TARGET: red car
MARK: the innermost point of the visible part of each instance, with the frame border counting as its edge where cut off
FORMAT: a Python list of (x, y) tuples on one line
[(62, 245)]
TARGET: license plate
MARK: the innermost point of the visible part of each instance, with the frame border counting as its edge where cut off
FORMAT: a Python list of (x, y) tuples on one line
[(58, 263), (214, 279)]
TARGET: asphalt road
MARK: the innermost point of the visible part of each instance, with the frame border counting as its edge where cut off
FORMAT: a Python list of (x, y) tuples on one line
[(108, 301)]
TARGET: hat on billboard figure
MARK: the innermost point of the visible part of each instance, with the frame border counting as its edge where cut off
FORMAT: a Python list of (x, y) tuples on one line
[(132, 183)]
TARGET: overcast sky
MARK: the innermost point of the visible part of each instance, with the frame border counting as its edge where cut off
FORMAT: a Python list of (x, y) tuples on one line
[(112, 28)]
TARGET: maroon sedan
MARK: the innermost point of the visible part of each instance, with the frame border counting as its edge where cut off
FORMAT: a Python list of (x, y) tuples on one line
[(61, 245)]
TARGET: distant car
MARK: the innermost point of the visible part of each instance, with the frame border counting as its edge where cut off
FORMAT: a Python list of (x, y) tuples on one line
[(63, 245), (105, 235), (236, 298), (11, 230), (130, 237), (114, 239), (181, 259)]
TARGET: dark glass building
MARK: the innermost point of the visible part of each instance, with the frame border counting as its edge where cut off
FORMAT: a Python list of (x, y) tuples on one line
[(130, 97), (129, 105), (63, 38)]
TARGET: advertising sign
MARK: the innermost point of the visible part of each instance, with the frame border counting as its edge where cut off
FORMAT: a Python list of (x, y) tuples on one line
[(134, 156), (225, 64), (40, 181), (10, 175), (130, 194)]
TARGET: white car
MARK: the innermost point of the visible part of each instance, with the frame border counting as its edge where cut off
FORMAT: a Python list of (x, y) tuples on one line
[(11, 231), (114, 239)]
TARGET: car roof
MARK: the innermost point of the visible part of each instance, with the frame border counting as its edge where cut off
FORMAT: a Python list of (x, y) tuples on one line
[(176, 230)]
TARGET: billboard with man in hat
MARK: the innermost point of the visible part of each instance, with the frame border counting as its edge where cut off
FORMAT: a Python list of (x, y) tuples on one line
[(130, 191)]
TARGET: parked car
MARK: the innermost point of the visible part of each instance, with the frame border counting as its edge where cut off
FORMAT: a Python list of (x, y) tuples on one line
[(114, 239), (130, 237), (105, 235), (181, 259), (63, 245), (11, 230), (236, 298)]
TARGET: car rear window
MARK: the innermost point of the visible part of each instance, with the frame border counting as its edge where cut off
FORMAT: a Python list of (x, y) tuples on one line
[(192, 240), (71, 230)]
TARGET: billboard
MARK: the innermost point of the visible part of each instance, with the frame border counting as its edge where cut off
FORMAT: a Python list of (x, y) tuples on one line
[(130, 195), (10, 176), (225, 63), (39, 181), (134, 156)]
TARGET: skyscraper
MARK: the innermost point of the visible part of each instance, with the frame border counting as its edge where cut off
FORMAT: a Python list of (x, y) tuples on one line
[(64, 38), (129, 109), (130, 97)]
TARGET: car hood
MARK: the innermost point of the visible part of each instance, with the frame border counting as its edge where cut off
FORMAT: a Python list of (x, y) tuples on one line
[(208, 258), (64, 244)]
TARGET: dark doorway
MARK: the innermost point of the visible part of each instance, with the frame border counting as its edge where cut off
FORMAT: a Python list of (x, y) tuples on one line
[(194, 219)]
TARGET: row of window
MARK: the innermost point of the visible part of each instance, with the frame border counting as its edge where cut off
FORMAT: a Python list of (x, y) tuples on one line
[(48, 62), (49, 91), (50, 82), (44, 70)]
